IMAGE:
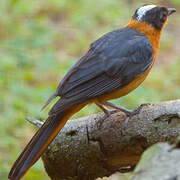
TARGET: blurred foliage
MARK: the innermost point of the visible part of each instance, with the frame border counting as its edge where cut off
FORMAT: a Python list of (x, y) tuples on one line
[(41, 40)]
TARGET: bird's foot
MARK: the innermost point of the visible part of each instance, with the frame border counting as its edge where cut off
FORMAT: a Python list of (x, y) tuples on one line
[(131, 113), (128, 112), (106, 115)]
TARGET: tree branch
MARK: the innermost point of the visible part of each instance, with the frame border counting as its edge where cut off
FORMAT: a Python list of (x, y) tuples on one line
[(92, 147)]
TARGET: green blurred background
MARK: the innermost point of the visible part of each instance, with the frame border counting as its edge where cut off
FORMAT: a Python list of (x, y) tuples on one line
[(40, 40)]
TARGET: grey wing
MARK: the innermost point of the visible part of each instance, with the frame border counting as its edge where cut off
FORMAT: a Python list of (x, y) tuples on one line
[(107, 71)]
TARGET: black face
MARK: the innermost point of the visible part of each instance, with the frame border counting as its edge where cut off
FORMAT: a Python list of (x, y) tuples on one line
[(156, 16)]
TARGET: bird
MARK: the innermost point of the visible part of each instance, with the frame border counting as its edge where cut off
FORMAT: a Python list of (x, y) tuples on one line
[(115, 64)]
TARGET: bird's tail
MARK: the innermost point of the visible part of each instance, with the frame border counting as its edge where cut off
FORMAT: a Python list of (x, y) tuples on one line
[(40, 141)]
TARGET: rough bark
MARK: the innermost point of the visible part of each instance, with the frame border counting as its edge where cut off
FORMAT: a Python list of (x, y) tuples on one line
[(92, 147)]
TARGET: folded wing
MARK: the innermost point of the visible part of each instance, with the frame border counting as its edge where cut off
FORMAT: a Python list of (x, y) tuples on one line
[(112, 62)]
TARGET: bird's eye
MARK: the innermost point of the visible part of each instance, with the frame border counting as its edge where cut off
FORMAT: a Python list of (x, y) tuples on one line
[(163, 16)]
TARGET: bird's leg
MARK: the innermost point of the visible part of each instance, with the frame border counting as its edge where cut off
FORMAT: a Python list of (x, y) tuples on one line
[(126, 111), (118, 108), (106, 111)]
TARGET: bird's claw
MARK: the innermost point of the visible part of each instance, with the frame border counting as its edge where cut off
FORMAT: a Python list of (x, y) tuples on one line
[(106, 115), (109, 113)]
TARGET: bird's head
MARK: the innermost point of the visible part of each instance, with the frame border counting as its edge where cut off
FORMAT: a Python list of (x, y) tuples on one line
[(154, 15)]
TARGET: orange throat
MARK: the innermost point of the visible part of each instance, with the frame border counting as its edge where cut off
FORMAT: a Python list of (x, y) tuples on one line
[(152, 34)]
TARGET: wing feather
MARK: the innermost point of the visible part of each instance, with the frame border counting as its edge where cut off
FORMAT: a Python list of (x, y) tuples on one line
[(112, 62)]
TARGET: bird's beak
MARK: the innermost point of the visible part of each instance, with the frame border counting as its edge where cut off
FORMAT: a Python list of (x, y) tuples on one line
[(171, 11)]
